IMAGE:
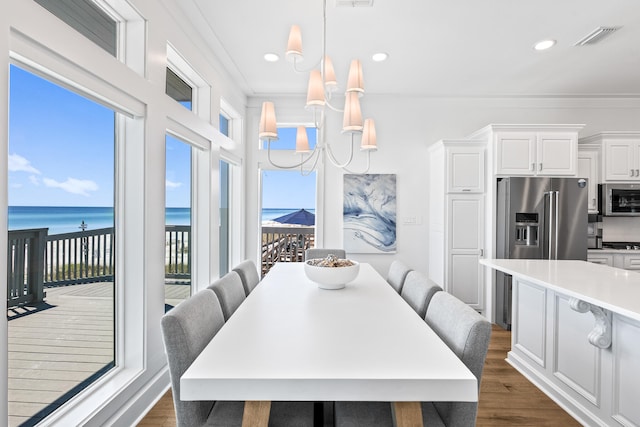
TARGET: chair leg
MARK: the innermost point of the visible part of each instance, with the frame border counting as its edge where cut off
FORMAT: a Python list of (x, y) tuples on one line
[(318, 414)]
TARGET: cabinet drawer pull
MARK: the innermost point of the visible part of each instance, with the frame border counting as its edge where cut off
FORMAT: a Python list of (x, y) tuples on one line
[(540, 167), (533, 167), (631, 172)]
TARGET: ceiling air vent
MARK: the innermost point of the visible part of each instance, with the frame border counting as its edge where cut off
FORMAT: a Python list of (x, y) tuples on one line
[(354, 3), (596, 35)]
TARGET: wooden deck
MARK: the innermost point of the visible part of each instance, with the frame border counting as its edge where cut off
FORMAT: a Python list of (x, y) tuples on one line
[(60, 346)]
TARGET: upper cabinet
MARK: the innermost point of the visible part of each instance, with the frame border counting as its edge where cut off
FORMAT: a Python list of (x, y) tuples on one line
[(531, 150), (465, 169), (536, 153), (620, 155)]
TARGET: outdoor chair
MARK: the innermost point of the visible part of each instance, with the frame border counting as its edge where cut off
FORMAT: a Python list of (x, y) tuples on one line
[(417, 291), (248, 273), (230, 293), (313, 253), (397, 274)]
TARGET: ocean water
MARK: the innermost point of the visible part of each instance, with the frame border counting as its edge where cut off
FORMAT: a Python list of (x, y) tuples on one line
[(67, 219)]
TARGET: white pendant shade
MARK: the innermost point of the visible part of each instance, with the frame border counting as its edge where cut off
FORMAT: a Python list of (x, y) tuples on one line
[(294, 44), (330, 81), (315, 91), (352, 119), (355, 81), (322, 95), (369, 141), (302, 141), (268, 129)]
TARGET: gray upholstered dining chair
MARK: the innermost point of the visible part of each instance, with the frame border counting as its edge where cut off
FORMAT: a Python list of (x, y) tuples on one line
[(397, 274), (313, 253), (248, 273), (186, 330), (418, 290), (230, 292), (467, 334)]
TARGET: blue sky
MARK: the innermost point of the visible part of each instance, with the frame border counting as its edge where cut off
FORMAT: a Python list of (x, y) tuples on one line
[(61, 153)]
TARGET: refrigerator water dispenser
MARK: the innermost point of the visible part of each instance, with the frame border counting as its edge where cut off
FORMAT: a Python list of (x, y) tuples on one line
[(526, 229)]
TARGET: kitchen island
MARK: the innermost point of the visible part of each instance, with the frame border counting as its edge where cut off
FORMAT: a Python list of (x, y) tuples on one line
[(576, 335)]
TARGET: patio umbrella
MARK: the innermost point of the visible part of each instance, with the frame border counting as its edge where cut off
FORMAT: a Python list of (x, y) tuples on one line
[(302, 217)]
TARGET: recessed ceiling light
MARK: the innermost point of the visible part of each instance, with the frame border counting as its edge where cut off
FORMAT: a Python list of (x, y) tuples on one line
[(544, 44), (271, 57), (379, 57)]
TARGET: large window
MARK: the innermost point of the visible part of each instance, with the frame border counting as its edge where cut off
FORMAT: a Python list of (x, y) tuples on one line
[(178, 247), (288, 216), (61, 262)]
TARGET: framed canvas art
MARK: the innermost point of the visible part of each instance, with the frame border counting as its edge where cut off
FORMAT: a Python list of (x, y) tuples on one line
[(369, 213)]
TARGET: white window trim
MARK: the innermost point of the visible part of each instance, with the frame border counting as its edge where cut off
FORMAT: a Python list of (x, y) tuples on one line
[(203, 212), (129, 342), (201, 101)]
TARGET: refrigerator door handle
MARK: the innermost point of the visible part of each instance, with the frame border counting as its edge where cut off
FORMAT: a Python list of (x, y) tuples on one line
[(556, 231), (550, 212)]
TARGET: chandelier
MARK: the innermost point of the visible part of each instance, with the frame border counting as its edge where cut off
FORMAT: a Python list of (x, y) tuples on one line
[(320, 93)]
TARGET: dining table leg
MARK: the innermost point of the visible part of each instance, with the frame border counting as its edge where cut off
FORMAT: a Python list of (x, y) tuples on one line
[(407, 414), (256, 413)]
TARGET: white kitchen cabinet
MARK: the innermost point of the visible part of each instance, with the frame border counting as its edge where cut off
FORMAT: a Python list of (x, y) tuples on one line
[(465, 169), (456, 218), (620, 152), (589, 168), (536, 153), (464, 248), (600, 258), (619, 258), (622, 160)]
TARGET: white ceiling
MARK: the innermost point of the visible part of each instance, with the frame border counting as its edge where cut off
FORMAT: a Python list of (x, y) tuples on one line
[(436, 48)]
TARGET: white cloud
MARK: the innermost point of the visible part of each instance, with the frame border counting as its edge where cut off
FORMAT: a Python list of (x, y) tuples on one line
[(34, 180), (72, 185), (171, 184), (18, 163)]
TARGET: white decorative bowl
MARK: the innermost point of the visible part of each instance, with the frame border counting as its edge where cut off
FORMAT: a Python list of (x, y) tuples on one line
[(331, 277)]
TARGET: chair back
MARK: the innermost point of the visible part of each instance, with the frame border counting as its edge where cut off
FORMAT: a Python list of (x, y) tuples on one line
[(186, 330), (313, 253), (418, 290), (248, 273), (397, 274), (230, 293), (467, 334)]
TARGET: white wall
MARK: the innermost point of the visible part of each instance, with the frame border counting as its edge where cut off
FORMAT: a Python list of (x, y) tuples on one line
[(406, 126)]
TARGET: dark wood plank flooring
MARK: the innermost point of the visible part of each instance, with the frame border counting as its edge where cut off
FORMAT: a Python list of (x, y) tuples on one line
[(506, 397)]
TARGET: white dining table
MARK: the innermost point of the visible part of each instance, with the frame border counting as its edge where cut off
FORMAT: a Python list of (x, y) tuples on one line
[(292, 341)]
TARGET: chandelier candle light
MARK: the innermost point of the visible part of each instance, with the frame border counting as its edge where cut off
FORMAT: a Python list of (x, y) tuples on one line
[(322, 85)]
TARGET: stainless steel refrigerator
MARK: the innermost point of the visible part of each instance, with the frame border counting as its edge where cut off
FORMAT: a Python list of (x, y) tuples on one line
[(538, 218)]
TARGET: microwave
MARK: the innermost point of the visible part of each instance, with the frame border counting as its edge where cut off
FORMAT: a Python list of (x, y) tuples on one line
[(619, 199)]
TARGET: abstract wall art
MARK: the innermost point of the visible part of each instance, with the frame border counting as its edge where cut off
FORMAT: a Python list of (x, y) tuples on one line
[(369, 213)]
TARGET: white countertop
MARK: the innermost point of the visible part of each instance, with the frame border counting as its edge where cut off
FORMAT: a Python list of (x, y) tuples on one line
[(290, 340), (611, 288)]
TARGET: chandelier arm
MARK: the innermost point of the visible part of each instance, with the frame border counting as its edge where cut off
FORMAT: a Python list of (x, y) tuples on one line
[(300, 70), (333, 159), (289, 166), (327, 101), (366, 169), (310, 170)]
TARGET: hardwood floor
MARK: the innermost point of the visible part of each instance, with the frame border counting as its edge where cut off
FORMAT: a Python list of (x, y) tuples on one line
[(506, 397)]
